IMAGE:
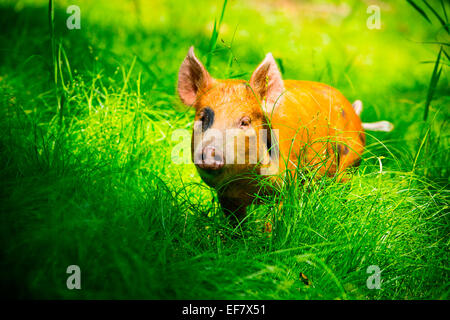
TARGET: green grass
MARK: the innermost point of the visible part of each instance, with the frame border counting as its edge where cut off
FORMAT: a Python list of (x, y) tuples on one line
[(87, 178)]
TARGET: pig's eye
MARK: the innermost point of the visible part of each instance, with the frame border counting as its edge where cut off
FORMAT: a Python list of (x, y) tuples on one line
[(207, 118), (245, 123)]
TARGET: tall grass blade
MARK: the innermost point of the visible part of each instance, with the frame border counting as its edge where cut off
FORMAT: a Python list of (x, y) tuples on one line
[(437, 16), (419, 9), (215, 35), (55, 59), (433, 83), (51, 23), (444, 10)]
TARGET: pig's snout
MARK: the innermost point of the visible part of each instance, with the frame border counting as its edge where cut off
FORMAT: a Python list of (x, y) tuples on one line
[(211, 159)]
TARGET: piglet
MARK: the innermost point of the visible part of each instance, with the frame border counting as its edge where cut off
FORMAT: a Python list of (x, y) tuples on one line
[(267, 127)]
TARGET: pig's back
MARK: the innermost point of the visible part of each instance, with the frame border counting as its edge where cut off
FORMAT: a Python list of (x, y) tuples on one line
[(320, 124)]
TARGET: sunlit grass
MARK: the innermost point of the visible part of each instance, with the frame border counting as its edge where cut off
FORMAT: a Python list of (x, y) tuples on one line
[(93, 184)]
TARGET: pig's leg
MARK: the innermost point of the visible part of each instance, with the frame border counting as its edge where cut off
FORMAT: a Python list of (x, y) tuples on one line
[(233, 208)]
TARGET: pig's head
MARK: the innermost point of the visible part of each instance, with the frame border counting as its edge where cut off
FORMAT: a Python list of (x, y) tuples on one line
[(231, 134)]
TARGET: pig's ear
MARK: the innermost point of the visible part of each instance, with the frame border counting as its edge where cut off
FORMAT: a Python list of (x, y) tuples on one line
[(192, 78), (267, 83)]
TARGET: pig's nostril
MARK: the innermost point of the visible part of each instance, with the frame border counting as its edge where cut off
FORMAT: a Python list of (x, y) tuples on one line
[(212, 159)]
